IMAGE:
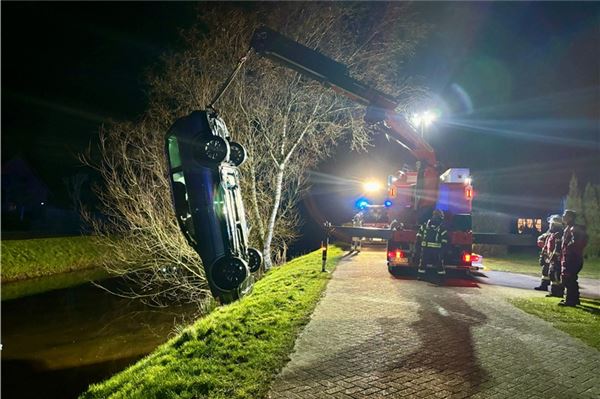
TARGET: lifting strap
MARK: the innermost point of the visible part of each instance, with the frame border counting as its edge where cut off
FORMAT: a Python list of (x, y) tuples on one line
[(225, 85)]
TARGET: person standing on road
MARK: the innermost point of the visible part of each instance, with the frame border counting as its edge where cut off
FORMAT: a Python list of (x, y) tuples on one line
[(544, 263), (553, 249), (573, 242), (432, 239), (550, 243)]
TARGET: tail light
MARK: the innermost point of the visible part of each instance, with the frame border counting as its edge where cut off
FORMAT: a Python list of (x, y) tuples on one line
[(469, 192), (475, 258), (398, 254), (466, 258)]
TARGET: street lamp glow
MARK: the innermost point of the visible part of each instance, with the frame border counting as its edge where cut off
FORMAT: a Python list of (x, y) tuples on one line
[(372, 186)]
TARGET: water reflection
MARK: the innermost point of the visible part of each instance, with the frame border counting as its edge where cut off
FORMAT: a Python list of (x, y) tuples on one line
[(32, 286), (56, 344)]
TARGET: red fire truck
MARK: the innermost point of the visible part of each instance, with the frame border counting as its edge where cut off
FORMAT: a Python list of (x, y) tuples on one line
[(453, 196)]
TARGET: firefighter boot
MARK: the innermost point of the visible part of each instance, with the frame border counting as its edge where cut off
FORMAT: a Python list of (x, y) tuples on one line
[(556, 290), (572, 287), (568, 304), (543, 285)]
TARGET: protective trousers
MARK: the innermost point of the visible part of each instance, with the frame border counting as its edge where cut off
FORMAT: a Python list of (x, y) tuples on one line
[(556, 287), (545, 265), (433, 257), (570, 274)]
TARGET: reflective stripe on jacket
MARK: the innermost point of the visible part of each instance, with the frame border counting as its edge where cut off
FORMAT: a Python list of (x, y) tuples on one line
[(432, 236)]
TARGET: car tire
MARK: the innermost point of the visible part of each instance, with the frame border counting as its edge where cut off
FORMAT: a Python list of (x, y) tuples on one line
[(255, 260), (229, 272), (216, 149), (238, 153)]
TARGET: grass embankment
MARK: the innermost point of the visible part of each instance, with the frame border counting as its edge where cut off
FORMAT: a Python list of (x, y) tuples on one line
[(236, 350), (582, 322), (528, 264), (22, 259)]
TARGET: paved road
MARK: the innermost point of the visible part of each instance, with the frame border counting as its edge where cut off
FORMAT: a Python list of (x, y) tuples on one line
[(588, 287), (374, 336)]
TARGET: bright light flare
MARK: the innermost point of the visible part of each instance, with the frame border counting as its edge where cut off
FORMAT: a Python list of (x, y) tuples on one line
[(424, 119), (372, 186)]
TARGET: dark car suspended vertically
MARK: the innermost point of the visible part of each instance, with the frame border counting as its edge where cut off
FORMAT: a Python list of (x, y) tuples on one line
[(204, 176)]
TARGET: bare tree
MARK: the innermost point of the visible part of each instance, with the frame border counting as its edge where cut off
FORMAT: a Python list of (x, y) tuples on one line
[(287, 122)]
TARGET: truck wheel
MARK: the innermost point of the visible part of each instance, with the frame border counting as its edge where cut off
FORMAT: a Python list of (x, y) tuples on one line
[(254, 259), (229, 272), (238, 154), (215, 149)]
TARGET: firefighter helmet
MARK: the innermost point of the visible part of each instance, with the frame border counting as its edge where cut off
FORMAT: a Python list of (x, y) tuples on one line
[(556, 223), (555, 219)]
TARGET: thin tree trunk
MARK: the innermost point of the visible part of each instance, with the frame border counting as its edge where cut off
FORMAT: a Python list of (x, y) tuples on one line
[(271, 225), (255, 208)]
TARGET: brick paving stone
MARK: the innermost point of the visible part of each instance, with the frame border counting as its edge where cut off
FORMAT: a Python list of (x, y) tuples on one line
[(374, 336)]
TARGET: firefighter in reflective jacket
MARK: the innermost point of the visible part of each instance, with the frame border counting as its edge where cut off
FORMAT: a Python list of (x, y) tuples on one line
[(544, 264), (550, 243), (432, 239), (574, 241)]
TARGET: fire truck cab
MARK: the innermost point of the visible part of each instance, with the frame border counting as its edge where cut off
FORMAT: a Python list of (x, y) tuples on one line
[(453, 196)]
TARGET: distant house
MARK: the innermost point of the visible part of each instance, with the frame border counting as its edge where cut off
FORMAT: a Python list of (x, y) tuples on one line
[(531, 216), (529, 225), (24, 194), (516, 213)]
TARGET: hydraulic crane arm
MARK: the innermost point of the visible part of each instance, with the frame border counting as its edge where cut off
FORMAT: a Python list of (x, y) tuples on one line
[(381, 107)]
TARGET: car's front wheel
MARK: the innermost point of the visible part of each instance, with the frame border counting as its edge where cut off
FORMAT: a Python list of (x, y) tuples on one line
[(229, 273), (216, 149)]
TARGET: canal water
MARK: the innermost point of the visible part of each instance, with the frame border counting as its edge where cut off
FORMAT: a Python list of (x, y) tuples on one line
[(55, 344)]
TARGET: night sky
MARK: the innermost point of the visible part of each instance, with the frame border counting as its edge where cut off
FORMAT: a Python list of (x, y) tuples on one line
[(518, 84), (519, 87), (68, 67)]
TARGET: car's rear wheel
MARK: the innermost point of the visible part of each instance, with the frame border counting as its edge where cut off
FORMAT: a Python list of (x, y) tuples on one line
[(238, 154)]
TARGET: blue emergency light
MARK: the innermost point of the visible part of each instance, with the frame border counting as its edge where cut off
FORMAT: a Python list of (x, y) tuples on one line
[(387, 203), (362, 203)]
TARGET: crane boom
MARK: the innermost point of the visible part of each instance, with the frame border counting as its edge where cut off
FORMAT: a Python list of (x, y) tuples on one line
[(311, 63)]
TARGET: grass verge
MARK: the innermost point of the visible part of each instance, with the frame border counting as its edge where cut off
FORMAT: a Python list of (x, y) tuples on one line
[(582, 322), (235, 351), (528, 264), (22, 259)]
